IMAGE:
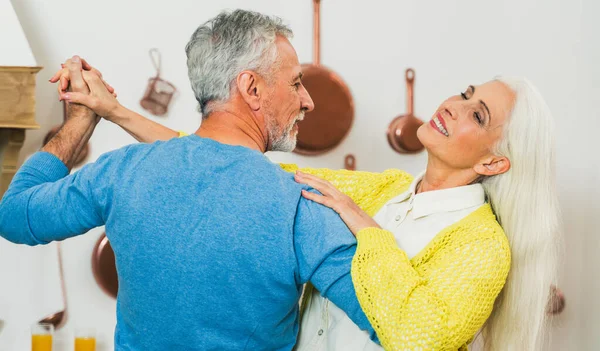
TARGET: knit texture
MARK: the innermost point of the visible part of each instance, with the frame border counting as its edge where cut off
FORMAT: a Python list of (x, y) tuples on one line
[(212, 242), (440, 298)]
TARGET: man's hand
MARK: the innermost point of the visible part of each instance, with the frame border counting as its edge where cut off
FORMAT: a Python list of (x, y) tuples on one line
[(81, 121), (99, 99), (64, 75), (78, 84), (78, 73), (102, 100)]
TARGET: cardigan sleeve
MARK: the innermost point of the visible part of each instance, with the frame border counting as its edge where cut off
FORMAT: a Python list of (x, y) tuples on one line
[(440, 309)]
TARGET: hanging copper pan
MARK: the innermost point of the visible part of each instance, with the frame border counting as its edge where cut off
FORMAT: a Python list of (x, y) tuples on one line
[(104, 268), (402, 132), (327, 125)]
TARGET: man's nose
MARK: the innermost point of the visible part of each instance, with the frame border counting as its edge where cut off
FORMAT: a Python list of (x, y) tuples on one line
[(306, 101)]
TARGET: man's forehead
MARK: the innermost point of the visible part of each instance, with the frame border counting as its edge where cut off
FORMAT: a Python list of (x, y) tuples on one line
[(287, 53)]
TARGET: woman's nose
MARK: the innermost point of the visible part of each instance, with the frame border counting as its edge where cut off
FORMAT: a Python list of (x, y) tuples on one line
[(450, 111)]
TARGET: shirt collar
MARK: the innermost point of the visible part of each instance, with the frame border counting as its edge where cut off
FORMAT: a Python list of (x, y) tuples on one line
[(445, 200)]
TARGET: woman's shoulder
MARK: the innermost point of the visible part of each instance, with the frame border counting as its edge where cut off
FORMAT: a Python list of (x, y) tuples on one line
[(479, 233), (482, 224), (391, 175)]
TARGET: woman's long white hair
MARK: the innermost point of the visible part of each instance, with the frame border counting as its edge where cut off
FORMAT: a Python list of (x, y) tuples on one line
[(525, 202)]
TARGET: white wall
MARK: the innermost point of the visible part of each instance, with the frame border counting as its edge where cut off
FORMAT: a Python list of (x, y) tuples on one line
[(13, 45), (450, 44)]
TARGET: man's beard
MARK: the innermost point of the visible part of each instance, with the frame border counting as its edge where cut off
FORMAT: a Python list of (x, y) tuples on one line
[(284, 141)]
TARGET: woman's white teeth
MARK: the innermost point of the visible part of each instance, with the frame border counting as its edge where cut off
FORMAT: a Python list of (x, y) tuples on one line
[(440, 126)]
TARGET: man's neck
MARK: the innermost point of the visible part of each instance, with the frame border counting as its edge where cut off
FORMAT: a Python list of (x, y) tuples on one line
[(231, 128)]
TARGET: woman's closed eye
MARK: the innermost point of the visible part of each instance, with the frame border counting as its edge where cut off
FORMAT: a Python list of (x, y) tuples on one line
[(478, 116)]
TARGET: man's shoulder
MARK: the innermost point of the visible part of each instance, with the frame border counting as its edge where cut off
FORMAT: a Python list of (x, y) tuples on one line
[(270, 173), (126, 152)]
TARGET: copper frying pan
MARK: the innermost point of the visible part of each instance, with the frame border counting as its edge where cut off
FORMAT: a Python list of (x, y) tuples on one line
[(104, 268), (327, 125), (402, 132)]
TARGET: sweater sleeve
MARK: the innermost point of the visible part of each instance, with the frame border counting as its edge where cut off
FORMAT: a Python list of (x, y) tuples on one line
[(44, 203), (324, 248), (440, 310)]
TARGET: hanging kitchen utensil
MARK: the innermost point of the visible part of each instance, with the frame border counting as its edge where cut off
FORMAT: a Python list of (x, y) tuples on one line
[(402, 132), (556, 303), (350, 162), (86, 149), (59, 319), (104, 268), (328, 124), (159, 92)]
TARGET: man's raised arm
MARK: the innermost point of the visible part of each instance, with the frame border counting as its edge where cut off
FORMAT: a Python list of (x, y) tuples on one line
[(43, 204)]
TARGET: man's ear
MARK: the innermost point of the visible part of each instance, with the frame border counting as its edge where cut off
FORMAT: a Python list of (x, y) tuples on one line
[(250, 87), (492, 165)]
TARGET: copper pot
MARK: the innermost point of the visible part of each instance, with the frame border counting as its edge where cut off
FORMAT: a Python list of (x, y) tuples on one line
[(402, 131), (104, 267), (329, 123)]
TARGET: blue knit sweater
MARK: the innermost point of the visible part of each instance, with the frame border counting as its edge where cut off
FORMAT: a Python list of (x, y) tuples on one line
[(212, 242)]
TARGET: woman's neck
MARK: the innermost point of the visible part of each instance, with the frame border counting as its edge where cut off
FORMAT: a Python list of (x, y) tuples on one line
[(439, 176)]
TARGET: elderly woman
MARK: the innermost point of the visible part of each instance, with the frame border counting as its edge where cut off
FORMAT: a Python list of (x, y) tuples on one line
[(467, 246)]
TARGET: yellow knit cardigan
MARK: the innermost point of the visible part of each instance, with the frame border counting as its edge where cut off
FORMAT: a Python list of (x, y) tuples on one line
[(440, 298)]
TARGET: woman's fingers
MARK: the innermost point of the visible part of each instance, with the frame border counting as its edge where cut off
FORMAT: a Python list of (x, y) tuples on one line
[(64, 81), (62, 78), (68, 70), (321, 185), (56, 76), (320, 199), (79, 98), (86, 66), (97, 85), (314, 184), (109, 88), (93, 81)]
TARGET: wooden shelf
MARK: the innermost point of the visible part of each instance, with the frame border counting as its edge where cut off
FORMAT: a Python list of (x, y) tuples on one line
[(17, 113)]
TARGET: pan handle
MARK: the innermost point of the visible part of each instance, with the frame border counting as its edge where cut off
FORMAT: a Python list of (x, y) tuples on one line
[(317, 32), (410, 81), (350, 162)]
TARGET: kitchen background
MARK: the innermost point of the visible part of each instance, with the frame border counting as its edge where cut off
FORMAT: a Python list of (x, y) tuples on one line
[(449, 43)]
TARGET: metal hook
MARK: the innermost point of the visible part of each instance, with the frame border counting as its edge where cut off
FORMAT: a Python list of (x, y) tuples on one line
[(156, 60)]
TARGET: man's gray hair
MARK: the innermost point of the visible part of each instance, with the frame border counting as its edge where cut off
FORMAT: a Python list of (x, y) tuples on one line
[(225, 46)]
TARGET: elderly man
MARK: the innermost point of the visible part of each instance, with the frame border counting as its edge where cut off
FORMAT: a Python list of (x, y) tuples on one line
[(212, 241)]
